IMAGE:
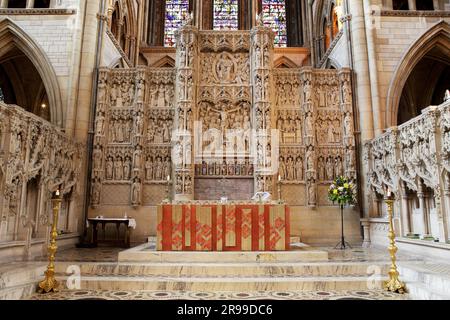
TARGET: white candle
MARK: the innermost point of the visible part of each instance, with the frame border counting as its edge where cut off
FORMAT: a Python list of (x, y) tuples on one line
[(57, 192), (389, 193), (279, 178)]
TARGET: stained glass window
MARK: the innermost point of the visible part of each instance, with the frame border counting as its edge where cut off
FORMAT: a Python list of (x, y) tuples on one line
[(274, 14), (225, 14), (176, 11)]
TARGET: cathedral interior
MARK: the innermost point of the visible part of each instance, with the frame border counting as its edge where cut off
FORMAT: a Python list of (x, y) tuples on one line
[(163, 121)]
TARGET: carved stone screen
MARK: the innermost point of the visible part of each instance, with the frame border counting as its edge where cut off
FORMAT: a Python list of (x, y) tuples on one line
[(222, 122)]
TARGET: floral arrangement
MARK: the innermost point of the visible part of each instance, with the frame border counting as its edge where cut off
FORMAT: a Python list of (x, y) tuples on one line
[(342, 191)]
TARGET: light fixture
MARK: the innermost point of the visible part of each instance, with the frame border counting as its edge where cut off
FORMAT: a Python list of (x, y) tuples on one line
[(43, 106)]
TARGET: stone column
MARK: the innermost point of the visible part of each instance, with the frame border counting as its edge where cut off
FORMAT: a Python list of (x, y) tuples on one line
[(4, 4), (412, 4), (405, 214), (447, 201), (30, 4), (309, 115), (363, 93), (423, 211), (261, 52), (185, 88)]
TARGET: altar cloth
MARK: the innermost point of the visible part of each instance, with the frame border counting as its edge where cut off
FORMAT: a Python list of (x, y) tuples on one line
[(223, 227)]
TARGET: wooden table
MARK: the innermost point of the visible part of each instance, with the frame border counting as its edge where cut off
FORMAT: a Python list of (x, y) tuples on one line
[(223, 227), (128, 222)]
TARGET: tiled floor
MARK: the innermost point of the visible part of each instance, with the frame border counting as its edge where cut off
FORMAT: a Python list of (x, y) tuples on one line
[(186, 295)]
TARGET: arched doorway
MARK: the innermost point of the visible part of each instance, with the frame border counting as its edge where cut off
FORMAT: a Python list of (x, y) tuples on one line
[(422, 77), (27, 78)]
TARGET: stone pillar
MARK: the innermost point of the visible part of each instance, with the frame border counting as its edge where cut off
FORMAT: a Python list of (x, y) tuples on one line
[(412, 4), (261, 52), (309, 112), (447, 201), (423, 211), (30, 4), (405, 214), (185, 88), (366, 232), (363, 88), (4, 4)]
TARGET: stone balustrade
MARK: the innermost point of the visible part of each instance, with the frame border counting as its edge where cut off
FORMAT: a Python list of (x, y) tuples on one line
[(413, 162), (36, 159)]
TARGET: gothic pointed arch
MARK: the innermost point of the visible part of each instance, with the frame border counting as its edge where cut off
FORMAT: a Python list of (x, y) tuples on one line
[(13, 37), (436, 38), (284, 62), (164, 62)]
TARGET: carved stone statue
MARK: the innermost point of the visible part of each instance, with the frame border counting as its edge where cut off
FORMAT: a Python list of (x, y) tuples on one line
[(136, 192)]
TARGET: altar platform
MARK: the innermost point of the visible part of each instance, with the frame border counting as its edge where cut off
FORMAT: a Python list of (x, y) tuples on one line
[(147, 253)]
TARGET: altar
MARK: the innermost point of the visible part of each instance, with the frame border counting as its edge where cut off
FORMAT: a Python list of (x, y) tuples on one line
[(213, 226)]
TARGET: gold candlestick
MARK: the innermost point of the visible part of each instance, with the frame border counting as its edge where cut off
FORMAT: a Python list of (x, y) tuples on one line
[(49, 283), (393, 284)]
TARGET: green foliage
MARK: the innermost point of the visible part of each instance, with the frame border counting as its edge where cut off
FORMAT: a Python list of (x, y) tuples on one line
[(342, 191)]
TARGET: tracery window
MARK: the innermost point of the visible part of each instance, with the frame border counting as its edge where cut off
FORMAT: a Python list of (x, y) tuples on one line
[(176, 11), (274, 15), (225, 15)]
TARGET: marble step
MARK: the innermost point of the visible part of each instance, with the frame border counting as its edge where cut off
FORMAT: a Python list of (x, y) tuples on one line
[(426, 280), (19, 280), (246, 284), (419, 291), (227, 269)]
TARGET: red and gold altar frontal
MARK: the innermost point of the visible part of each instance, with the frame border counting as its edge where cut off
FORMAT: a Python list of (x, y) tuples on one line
[(223, 227)]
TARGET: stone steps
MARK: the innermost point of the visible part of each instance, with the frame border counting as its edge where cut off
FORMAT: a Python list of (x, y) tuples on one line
[(19, 280), (246, 284), (426, 280), (192, 269)]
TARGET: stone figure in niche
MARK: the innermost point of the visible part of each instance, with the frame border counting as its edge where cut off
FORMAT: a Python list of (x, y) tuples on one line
[(109, 169), (166, 132), (290, 169), (127, 130), (329, 169), (348, 125), (309, 126), (350, 162), (310, 160), (139, 125), (148, 169), (298, 125), (158, 134), (312, 195), (330, 135), (299, 169), (153, 95), (161, 96), (97, 159), (338, 166), (307, 92), (166, 171), (100, 127), (136, 192), (96, 193), (140, 91), (346, 92), (167, 97), (321, 169), (114, 94), (126, 168), (158, 169), (282, 170), (188, 185), (137, 158), (179, 185), (224, 68), (118, 169)]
